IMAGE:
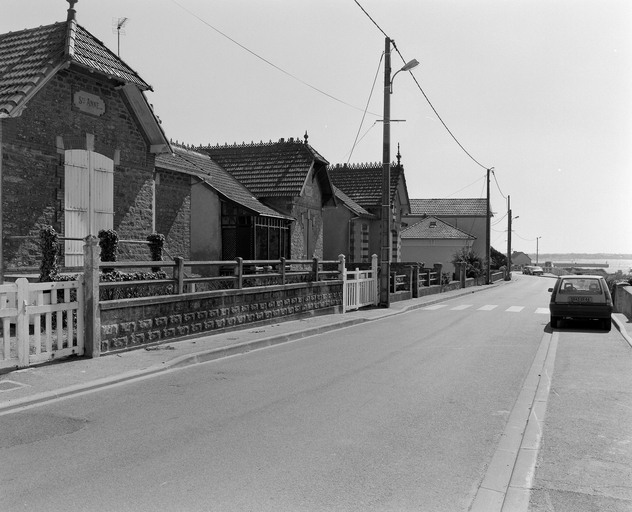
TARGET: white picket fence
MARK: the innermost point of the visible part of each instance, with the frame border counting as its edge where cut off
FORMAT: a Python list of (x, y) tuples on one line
[(40, 321), (360, 287)]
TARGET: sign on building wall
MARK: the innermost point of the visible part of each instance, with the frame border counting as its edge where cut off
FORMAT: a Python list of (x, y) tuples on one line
[(89, 103)]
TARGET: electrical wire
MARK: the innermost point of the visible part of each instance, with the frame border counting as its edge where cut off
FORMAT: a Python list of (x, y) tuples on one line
[(437, 113), (499, 220), (467, 186), (525, 239), (501, 192), (267, 61), (360, 140), (369, 16), (419, 87), (355, 142)]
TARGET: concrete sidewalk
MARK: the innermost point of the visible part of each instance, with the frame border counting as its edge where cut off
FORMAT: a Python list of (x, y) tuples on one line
[(37, 384)]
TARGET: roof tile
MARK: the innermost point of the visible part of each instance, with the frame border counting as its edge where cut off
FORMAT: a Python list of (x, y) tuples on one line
[(202, 166), (29, 56), (363, 182), (433, 228), (449, 207), (274, 169)]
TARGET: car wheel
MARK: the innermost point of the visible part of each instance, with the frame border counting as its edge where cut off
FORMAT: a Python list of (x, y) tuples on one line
[(555, 321), (607, 324)]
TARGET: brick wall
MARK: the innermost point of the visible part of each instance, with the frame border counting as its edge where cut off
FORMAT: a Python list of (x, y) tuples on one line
[(136, 322), (33, 168)]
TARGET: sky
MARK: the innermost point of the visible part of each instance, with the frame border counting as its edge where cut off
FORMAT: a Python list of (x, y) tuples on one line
[(540, 91)]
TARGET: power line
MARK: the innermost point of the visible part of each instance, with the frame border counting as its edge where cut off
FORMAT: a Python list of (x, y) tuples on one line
[(437, 113), (366, 108), (419, 87), (369, 16), (466, 186), (266, 60), (501, 192), (360, 140)]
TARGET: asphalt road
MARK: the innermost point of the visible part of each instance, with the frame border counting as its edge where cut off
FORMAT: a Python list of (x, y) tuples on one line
[(403, 413)]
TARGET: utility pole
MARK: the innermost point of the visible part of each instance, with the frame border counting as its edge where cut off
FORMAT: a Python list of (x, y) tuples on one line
[(385, 260), (509, 239), (488, 232)]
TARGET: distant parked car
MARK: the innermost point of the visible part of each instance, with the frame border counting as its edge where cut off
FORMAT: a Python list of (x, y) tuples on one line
[(526, 269), (584, 297), (537, 271)]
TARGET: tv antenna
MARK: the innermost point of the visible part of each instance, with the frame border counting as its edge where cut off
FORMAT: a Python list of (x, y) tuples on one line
[(117, 25)]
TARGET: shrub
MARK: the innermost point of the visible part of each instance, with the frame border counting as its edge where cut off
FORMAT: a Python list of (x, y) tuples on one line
[(133, 291), (156, 244), (49, 243), (108, 242), (473, 262)]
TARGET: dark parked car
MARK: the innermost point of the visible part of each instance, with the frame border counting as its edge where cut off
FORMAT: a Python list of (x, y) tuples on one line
[(585, 297)]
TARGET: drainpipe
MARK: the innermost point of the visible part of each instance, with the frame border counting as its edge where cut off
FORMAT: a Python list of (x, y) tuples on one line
[(1, 203)]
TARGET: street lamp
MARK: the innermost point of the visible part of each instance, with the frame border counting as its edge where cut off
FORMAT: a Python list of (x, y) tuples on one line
[(537, 248), (385, 256)]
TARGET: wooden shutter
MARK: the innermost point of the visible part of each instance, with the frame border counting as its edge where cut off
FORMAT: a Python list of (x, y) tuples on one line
[(88, 200)]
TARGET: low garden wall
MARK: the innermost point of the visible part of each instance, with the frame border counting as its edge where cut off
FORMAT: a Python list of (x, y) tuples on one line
[(623, 300), (131, 323)]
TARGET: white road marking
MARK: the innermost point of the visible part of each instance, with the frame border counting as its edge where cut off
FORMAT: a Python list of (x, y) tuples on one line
[(515, 309), (436, 306), (488, 307), (461, 307), (542, 311)]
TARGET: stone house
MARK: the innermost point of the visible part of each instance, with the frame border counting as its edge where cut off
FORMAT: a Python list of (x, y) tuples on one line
[(347, 230), (207, 215), (520, 259), (289, 177), (432, 240), (78, 141), (467, 215), (349, 226)]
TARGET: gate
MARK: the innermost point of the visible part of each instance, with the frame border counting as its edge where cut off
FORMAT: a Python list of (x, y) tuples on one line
[(360, 287), (40, 321)]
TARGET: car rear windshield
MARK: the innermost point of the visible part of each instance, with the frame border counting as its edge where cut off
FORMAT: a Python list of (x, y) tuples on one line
[(584, 286)]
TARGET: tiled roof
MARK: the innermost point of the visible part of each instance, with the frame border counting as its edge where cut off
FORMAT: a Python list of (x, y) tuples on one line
[(351, 204), (28, 58), (449, 207), (433, 228), (201, 165), (363, 182), (274, 169)]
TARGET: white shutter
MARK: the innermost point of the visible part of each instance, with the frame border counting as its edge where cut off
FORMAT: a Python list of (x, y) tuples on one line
[(88, 199), (103, 192)]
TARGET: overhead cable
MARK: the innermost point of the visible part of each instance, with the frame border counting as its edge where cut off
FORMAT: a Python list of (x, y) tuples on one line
[(266, 60), (367, 107)]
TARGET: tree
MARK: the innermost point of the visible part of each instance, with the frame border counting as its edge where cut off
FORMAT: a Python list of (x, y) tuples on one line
[(473, 262), (498, 259)]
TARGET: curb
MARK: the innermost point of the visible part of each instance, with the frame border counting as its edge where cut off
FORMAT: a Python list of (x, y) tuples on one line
[(618, 322), (216, 353)]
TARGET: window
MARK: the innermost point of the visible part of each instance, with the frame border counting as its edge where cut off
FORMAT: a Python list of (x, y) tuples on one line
[(250, 236), (88, 200), (365, 243)]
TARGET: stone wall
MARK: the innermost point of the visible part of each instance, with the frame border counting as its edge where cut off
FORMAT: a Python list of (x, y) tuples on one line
[(135, 322), (173, 212), (623, 300)]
